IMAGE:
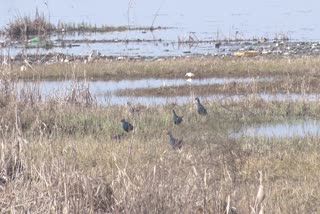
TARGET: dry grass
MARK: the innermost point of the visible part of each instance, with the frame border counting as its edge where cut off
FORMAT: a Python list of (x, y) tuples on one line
[(75, 175), (174, 68), (25, 26), (87, 27), (22, 27), (58, 157)]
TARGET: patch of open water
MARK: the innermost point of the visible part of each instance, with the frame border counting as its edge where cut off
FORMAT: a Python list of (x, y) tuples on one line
[(193, 20), (299, 128), (99, 88), (104, 91)]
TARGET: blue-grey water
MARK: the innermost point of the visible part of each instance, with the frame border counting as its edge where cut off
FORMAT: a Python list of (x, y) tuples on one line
[(299, 128), (247, 18), (105, 91), (200, 20)]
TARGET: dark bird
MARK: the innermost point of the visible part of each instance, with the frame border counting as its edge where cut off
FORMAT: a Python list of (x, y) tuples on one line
[(117, 137), (176, 119), (126, 125), (217, 45), (200, 108), (175, 143)]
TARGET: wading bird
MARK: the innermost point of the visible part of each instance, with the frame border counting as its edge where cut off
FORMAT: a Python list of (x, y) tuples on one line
[(189, 74), (175, 143), (126, 125), (200, 108), (177, 119)]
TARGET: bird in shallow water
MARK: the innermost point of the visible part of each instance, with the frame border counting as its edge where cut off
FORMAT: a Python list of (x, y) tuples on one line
[(200, 108), (176, 119), (175, 143), (126, 125)]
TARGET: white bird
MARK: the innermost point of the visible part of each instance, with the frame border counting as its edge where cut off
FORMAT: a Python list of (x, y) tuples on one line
[(189, 74)]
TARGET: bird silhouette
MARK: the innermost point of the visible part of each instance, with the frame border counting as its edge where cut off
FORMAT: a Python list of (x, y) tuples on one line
[(117, 137), (176, 119), (126, 125), (175, 143), (200, 108)]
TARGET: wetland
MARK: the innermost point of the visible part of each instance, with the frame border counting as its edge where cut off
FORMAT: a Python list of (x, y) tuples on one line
[(65, 89)]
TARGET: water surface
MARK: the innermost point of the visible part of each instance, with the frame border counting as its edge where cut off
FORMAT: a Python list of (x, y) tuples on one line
[(247, 18), (300, 128), (105, 91), (203, 20)]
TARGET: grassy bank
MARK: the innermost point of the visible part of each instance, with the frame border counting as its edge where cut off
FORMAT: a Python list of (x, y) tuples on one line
[(262, 66), (59, 157), (86, 175)]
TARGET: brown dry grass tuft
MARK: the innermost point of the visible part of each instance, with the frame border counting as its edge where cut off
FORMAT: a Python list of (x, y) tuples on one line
[(26, 26)]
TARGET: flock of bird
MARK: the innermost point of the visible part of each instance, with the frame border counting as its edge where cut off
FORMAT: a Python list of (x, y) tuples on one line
[(174, 142)]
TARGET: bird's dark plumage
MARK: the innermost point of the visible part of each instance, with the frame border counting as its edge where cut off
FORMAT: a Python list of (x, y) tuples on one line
[(200, 108), (126, 125), (117, 137), (175, 143), (176, 119)]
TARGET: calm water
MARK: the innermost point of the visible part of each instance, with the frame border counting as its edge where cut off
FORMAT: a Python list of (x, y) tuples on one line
[(202, 20), (247, 18), (298, 128), (102, 87), (104, 91)]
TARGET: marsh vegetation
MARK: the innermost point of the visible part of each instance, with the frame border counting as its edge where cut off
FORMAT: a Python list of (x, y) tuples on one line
[(68, 154), (59, 155)]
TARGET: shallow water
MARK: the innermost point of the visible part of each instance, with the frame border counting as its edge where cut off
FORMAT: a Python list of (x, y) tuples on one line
[(201, 20), (104, 87), (104, 91), (149, 44), (249, 18), (285, 129)]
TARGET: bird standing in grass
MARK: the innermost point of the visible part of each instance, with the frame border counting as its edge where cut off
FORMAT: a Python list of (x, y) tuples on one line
[(117, 137), (200, 108), (126, 125), (176, 119), (175, 143)]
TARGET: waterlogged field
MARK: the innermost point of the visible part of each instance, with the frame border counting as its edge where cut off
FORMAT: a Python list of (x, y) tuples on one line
[(88, 113), (67, 152)]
